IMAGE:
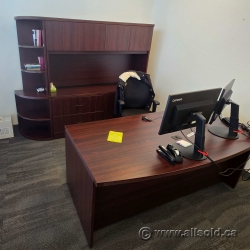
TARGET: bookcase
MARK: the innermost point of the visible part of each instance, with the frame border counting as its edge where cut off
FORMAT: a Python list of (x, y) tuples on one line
[(83, 59)]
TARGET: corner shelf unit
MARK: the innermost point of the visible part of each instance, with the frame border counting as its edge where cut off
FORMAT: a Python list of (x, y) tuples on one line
[(83, 59)]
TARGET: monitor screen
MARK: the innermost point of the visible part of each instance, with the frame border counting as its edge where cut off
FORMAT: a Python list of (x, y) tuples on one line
[(225, 96), (229, 132), (181, 109)]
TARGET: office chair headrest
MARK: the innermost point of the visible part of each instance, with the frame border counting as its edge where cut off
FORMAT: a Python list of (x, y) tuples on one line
[(124, 76)]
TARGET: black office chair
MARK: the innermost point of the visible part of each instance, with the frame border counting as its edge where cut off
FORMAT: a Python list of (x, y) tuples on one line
[(134, 94)]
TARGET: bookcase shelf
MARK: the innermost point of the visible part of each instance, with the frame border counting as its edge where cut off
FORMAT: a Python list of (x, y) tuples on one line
[(32, 129), (83, 59), (30, 47), (33, 71)]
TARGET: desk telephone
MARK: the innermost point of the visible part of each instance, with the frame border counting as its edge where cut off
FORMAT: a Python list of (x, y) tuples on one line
[(171, 154)]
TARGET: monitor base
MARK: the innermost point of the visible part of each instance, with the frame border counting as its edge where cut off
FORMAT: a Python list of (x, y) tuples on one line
[(222, 132), (188, 153)]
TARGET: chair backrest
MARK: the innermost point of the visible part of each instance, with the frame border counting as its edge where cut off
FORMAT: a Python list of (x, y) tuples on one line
[(136, 94)]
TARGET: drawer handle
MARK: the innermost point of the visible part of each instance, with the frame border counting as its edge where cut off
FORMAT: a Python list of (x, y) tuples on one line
[(79, 105)]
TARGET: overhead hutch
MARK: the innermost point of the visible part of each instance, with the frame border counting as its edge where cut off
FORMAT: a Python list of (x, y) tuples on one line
[(83, 59)]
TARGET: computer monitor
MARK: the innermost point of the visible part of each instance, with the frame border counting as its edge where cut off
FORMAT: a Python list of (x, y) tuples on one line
[(224, 100), (189, 110)]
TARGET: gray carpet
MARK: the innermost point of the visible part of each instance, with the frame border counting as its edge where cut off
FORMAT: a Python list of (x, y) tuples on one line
[(37, 212)]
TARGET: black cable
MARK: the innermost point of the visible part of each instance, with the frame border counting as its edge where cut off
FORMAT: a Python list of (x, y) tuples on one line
[(201, 150), (220, 172), (248, 123), (156, 118)]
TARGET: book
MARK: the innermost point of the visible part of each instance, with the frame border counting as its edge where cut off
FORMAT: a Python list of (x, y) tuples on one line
[(34, 36), (37, 68), (32, 66), (34, 69), (37, 37), (41, 62), (42, 37)]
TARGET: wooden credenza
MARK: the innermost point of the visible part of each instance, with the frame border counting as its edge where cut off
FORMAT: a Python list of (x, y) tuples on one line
[(83, 59)]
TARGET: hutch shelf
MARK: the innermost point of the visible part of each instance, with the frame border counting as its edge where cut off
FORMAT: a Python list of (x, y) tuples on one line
[(83, 59)]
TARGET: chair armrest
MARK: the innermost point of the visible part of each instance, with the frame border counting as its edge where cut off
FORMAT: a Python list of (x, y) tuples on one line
[(155, 103), (120, 103)]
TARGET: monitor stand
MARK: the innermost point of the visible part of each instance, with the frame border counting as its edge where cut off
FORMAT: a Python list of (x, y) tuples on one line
[(228, 132), (191, 152)]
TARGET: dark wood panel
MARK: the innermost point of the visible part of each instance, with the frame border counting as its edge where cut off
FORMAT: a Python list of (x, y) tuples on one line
[(233, 179), (81, 188), (24, 31), (79, 104), (30, 55), (30, 94), (110, 103), (147, 164), (59, 122), (84, 90), (33, 109), (117, 37), (36, 130), (136, 178), (77, 53), (86, 69), (114, 203), (92, 37), (74, 36), (38, 18), (140, 38), (31, 81)]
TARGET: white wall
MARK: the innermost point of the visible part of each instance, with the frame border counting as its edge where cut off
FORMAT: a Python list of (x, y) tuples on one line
[(201, 44), (105, 10), (197, 44)]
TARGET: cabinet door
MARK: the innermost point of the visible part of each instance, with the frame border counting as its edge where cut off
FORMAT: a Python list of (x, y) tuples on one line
[(140, 38), (73, 36), (117, 37)]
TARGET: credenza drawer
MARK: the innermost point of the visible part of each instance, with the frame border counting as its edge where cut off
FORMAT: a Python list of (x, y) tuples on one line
[(77, 105), (59, 122)]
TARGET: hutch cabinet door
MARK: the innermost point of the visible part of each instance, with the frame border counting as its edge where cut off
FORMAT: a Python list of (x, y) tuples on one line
[(74, 36), (140, 38), (117, 37)]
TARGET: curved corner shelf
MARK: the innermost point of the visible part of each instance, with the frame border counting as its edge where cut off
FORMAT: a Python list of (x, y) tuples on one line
[(35, 116), (31, 95), (30, 47), (35, 129)]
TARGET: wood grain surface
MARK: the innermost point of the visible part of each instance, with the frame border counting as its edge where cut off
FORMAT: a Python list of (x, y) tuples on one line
[(135, 159)]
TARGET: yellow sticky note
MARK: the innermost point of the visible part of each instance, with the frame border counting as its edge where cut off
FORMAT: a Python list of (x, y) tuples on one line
[(115, 136)]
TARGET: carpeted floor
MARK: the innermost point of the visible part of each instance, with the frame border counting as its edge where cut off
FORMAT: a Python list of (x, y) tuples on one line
[(37, 212)]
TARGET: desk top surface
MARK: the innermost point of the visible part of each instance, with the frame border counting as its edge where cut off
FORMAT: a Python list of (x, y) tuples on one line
[(136, 158)]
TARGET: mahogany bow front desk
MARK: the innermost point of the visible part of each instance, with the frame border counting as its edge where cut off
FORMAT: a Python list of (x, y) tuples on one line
[(112, 181)]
